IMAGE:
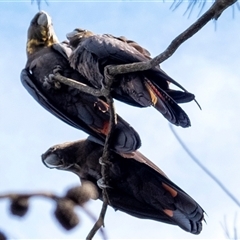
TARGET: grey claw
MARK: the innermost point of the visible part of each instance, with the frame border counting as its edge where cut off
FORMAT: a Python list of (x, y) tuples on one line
[(57, 69), (50, 78), (104, 163), (47, 83), (51, 82), (101, 162), (101, 184)]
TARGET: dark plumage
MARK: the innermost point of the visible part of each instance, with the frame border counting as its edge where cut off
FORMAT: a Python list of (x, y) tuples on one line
[(141, 89), (136, 185), (82, 111)]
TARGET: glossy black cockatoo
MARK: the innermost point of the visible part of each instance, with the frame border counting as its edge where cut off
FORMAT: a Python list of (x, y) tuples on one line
[(92, 53), (136, 186), (45, 57)]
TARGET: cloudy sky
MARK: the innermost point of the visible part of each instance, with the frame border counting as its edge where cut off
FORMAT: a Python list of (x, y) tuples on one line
[(207, 65)]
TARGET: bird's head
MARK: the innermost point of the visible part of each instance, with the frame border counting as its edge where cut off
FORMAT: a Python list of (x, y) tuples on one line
[(68, 156), (40, 33), (73, 157), (77, 35), (61, 156), (64, 157)]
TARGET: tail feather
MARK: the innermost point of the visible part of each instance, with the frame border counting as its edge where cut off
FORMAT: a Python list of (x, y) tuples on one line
[(167, 106), (124, 140), (185, 212), (177, 206), (183, 221)]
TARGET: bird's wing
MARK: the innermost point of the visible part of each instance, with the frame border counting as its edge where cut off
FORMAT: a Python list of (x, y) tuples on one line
[(29, 83), (92, 116), (167, 106), (108, 48), (153, 194), (134, 44)]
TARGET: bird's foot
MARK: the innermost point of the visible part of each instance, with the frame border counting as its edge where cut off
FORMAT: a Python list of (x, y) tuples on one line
[(50, 82)]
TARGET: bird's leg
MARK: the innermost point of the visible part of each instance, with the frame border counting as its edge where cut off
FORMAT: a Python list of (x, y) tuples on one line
[(50, 82)]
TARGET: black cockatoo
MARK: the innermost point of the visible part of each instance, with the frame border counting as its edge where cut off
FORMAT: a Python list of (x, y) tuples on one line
[(46, 56), (91, 53), (136, 186)]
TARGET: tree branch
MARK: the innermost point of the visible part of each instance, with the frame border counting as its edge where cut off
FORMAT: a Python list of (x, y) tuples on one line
[(78, 85), (213, 13)]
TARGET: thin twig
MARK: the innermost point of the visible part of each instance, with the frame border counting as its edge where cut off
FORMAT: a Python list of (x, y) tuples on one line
[(210, 174), (235, 228), (28, 195), (105, 156), (51, 196), (90, 215), (226, 229), (39, 3), (99, 223)]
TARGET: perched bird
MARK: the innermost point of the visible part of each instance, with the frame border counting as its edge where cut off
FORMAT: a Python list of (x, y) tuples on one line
[(91, 53), (45, 57), (136, 186)]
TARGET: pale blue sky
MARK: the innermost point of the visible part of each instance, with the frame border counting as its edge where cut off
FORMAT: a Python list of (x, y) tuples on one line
[(207, 65)]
